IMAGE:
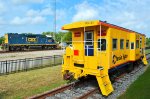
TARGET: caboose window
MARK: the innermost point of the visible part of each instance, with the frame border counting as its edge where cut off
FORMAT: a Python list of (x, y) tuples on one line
[(127, 44), (114, 44), (102, 45), (89, 38), (121, 43), (137, 43), (132, 45)]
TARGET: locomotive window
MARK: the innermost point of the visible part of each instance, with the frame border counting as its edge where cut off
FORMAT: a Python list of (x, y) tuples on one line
[(102, 45), (114, 44), (132, 45), (137, 43), (127, 44), (121, 43)]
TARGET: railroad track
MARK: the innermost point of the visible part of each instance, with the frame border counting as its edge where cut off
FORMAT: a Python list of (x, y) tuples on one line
[(73, 90), (3, 52), (90, 90), (148, 56)]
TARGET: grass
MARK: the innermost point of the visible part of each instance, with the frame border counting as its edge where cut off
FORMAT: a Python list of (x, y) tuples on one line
[(140, 88), (0, 47), (147, 51), (25, 84)]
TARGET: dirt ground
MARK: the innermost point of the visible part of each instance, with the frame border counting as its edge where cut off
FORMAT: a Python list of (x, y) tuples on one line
[(22, 55)]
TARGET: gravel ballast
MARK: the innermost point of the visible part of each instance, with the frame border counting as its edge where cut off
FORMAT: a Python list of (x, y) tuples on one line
[(120, 86), (33, 54)]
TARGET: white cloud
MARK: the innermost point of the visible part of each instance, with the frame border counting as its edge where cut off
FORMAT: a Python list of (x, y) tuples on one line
[(44, 12), (27, 20), (33, 16), (19, 21), (38, 20), (61, 14), (131, 14), (26, 1), (32, 13), (47, 11), (85, 11)]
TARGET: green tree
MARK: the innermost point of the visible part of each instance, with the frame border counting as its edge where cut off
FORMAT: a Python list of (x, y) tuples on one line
[(59, 36), (67, 37), (48, 33), (2, 39), (148, 42)]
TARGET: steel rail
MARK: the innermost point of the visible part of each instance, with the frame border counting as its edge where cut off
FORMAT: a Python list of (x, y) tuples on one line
[(55, 91), (86, 95)]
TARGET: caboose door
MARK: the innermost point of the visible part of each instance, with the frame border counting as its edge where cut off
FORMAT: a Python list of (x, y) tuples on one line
[(89, 46)]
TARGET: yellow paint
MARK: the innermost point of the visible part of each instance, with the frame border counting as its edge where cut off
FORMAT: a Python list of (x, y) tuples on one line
[(31, 39), (6, 38), (99, 64), (29, 44), (80, 24)]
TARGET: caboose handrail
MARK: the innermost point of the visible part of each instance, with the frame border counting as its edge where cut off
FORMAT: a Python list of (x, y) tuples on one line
[(80, 41)]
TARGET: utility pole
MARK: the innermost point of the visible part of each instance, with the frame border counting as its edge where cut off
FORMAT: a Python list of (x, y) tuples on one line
[(54, 19)]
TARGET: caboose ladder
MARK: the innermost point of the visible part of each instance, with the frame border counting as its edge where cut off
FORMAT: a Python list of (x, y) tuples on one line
[(104, 83), (144, 60)]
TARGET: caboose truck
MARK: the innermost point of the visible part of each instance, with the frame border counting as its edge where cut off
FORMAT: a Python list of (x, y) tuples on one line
[(99, 48)]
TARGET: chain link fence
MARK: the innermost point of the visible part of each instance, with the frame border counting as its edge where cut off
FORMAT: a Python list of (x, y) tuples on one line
[(13, 66)]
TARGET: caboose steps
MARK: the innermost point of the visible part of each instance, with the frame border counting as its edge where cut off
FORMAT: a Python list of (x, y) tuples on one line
[(145, 60), (105, 84)]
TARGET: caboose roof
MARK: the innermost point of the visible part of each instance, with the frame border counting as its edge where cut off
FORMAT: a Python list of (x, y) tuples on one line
[(80, 24), (83, 24)]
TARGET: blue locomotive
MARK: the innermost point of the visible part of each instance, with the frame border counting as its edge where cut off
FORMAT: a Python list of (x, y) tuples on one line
[(15, 41)]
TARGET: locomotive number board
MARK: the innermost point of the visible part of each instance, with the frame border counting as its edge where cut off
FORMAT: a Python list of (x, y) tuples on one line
[(31, 39)]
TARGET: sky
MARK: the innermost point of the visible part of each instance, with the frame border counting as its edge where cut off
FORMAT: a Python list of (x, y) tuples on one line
[(37, 16)]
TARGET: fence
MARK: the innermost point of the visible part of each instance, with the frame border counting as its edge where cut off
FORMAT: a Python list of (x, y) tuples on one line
[(12, 66)]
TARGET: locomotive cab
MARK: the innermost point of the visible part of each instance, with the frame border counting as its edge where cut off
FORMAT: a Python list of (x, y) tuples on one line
[(98, 48)]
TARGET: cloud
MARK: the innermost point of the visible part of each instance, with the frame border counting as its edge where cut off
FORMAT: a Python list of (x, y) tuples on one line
[(18, 21), (26, 1), (127, 13), (85, 11), (38, 20), (47, 11), (33, 16), (27, 20), (44, 12), (32, 13), (130, 14), (61, 14)]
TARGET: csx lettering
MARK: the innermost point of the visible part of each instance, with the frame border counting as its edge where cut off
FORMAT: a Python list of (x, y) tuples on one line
[(31, 39)]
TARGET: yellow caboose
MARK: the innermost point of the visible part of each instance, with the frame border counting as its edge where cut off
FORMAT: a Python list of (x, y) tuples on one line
[(98, 48)]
